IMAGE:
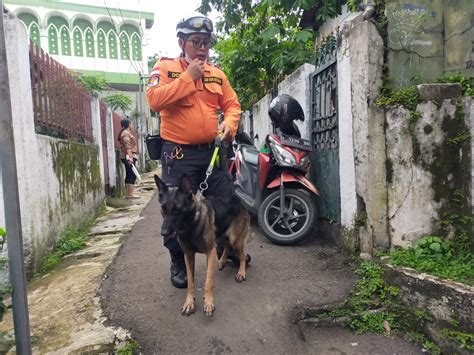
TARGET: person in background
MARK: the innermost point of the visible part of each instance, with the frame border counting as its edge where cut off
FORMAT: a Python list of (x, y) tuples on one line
[(188, 91), (128, 155)]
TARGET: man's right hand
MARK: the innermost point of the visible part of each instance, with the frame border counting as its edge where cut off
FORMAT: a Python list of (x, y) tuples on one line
[(196, 69)]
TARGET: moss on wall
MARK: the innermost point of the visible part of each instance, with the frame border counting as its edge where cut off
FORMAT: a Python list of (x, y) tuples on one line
[(451, 170), (77, 168)]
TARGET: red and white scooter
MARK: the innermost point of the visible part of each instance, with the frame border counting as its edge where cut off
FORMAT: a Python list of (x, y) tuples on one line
[(272, 183)]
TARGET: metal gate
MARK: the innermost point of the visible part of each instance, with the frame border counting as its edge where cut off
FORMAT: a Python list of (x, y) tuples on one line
[(324, 131)]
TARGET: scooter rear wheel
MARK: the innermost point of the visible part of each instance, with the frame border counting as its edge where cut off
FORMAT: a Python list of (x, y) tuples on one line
[(298, 221)]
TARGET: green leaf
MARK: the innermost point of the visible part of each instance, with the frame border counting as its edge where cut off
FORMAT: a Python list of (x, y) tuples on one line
[(436, 247), (118, 101), (270, 32), (3, 232)]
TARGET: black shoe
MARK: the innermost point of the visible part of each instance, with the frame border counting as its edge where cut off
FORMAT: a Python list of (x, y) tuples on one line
[(178, 274)]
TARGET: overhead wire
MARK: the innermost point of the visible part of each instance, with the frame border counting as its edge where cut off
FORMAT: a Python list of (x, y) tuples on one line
[(127, 50), (123, 20)]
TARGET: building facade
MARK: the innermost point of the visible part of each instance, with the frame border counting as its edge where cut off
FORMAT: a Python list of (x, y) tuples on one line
[(103, 39)]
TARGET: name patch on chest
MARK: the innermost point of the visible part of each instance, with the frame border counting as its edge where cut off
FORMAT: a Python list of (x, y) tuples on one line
[(173, 74), (212, 79)]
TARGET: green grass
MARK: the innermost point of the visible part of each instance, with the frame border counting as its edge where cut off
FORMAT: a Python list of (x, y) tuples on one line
[(432, 255), (370, 308), (465, 340), (130, 347), (72, 240)]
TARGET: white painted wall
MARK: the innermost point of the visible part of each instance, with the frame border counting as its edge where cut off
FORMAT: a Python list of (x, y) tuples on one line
[(97, 132), (346, 142), (298, 86), (261, 121), (111, 151), (47, 205)]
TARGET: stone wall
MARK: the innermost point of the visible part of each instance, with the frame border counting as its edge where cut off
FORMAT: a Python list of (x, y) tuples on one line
[(429, 167), (429, 38)]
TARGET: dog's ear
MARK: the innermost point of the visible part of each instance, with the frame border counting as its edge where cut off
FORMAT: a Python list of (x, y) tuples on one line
[(162, 188), (185, 184)]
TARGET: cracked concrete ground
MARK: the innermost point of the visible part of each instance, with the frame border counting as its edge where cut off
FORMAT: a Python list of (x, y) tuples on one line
[(64, 307), (125, 269)]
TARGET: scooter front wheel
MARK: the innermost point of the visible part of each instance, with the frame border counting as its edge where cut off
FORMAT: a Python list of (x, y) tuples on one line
[(292, 225)]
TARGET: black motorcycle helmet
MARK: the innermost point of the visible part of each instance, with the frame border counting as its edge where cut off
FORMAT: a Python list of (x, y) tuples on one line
[(283, 110)]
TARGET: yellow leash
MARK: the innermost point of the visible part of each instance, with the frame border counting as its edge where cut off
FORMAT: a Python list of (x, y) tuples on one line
[(215, 155)]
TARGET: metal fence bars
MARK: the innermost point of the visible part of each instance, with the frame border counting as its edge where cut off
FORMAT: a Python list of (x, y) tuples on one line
[(62, 106)]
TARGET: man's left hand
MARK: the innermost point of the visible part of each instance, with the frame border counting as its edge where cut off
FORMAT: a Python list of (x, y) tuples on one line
[(226, 132)]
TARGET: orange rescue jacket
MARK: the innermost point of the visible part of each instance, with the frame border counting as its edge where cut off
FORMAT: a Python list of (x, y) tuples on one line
[(188, 111)]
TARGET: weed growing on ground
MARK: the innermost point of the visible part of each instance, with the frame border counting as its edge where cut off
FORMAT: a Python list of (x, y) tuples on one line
[(435, 256), (72, 240), (465, 340), (130, 347), (370, 308)]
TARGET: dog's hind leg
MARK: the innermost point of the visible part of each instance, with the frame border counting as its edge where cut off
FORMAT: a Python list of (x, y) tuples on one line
[(240, 231), (225, 245), (209, 285), (188, 307)]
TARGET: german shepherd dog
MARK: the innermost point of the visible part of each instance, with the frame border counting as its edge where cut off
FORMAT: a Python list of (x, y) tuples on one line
[(200, 224)]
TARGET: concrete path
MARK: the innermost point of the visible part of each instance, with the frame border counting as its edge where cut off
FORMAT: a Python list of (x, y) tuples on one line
[(119, 287), (255, 317), (64, 306)]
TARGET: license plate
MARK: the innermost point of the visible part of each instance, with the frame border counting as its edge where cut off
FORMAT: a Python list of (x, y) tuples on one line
[(296, 142)]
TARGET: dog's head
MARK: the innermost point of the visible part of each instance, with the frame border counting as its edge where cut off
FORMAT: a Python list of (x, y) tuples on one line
[(177, 205)]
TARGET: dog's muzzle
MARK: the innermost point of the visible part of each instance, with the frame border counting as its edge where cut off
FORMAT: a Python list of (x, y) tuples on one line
[(166, 230)]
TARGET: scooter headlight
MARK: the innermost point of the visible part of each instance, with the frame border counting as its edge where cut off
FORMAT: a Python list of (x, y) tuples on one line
[(283, 157)]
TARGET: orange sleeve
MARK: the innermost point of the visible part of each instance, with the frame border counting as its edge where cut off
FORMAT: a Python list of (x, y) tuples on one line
[(168, 90), (230, 106)]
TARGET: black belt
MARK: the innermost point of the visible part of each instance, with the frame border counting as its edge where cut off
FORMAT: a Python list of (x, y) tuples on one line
[(202, 146)]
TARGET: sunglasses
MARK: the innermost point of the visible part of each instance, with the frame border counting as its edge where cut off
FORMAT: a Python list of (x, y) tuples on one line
[(197, 43), (199, 23)]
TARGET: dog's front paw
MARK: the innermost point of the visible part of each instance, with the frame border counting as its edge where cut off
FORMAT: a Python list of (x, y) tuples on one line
[(209, 307), (240, 276), (188, 308)]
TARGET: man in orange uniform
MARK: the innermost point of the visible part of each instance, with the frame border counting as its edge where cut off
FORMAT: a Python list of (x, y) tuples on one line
[(188, 92)]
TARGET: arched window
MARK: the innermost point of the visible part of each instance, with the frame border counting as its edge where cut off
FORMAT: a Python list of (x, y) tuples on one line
[(136, 47), (31, 24), (35, 33), (112, 37), (65, 41), (101, 44), (90, 44), (78, 43), (53, 40), (124, 46), (58, 36), (86, 37), (106, 39), (134, 50)]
